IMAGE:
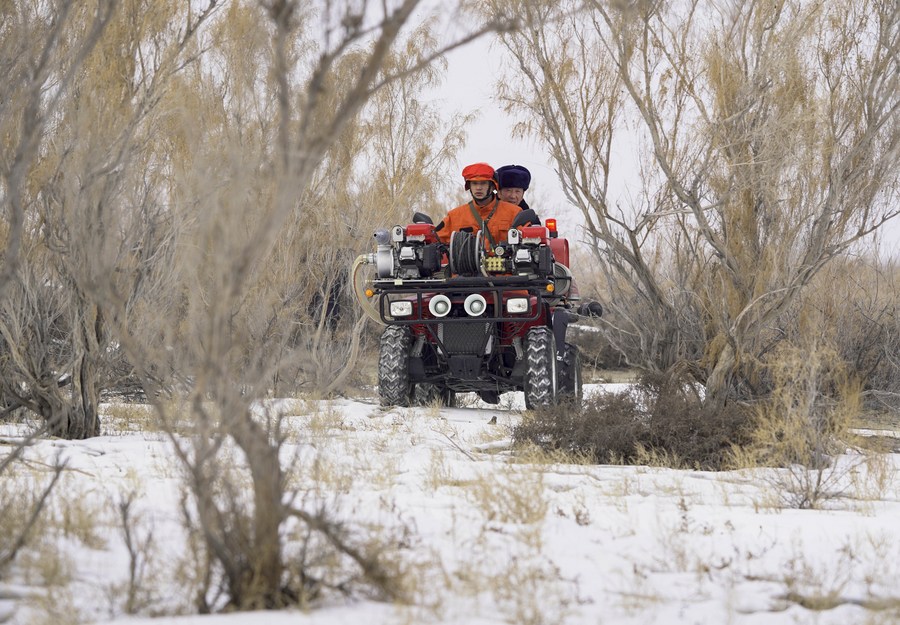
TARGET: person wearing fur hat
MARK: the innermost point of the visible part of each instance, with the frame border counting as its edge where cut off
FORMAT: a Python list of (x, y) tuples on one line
[(513, 182), (485, 212)]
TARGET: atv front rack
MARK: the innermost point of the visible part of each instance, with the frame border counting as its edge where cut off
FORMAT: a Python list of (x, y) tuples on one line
[(495, 289)]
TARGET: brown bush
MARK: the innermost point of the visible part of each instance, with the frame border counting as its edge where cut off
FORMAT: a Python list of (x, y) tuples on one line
[(661, 418), (804, 423), (605, 428), (858, 301), (683, 426)]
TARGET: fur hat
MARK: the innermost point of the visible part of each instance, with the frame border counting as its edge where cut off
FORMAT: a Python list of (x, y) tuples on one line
[(513, 176)]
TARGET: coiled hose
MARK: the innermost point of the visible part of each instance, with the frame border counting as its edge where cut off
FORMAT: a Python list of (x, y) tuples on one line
[(359, 288), (465, 255)]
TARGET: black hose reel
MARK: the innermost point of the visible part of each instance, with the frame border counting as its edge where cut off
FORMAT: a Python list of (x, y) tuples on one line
[(466, 251)]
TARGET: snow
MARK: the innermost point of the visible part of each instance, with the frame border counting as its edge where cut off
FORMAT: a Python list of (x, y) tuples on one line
[(489, 537)]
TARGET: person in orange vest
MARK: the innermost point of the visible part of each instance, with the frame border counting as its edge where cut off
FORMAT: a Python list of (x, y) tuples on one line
[(484, 212)]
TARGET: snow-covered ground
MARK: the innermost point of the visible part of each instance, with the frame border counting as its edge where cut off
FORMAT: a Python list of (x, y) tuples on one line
[(487, 537)]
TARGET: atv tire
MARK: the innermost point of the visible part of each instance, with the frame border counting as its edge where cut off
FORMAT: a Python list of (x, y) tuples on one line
[(570, 385), (426, 394), (540, 368), (393, 366)]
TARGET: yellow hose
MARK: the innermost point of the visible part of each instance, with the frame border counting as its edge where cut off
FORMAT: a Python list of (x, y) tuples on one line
[(359, 290)]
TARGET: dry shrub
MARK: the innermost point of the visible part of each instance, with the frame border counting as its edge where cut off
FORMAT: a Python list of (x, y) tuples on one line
[(811, 409), (661, 421), (319, 553), (805, 423), (605, 427), (859, 303), (684, 427), (512, 495), (23, 502), (140, 590)]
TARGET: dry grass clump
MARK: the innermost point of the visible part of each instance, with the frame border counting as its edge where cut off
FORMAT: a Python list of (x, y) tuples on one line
[(662, 421), (76, 514), (15, 517), (859, 302), (24, 497), (510, 495), (809, 414), (124, 418), (805, 423)]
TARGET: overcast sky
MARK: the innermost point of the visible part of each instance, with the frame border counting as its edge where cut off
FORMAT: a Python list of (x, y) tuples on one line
[(470, 82), (472, 73)]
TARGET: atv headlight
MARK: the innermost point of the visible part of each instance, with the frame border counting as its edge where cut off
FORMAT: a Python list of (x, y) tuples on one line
[(401, 309), (517, 305)]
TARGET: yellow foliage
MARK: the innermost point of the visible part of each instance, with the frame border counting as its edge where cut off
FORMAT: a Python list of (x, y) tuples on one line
[(809, 414)]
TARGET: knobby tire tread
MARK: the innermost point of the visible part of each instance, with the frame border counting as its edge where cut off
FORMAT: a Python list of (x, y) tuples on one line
[(393, 366), (540, 368)]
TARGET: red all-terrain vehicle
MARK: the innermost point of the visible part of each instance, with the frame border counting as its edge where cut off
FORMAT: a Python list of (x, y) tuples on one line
[(461, 318)]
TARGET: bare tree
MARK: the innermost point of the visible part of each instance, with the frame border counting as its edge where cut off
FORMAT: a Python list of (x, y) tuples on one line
[(39, 61), (771, 136), (388, 163), (44, 48), (85, 178), (266, 220), (178, 195)]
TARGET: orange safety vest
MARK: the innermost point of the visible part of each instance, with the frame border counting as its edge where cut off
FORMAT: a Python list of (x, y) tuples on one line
[(498, 214)]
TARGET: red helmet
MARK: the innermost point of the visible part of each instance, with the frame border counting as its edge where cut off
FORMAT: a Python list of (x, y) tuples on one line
[(478, 171)]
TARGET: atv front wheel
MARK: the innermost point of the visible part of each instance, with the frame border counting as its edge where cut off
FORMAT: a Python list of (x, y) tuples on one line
[(393, 366), (540, 368), (570, 385)]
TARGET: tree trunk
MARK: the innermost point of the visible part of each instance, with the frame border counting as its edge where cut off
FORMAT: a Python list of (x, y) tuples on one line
[(85, 398), (72, 417), (71, 413), (719, 379), (56, 413), (261, 585)]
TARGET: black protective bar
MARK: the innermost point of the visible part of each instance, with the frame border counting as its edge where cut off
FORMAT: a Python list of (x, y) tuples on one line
[(485, 282)]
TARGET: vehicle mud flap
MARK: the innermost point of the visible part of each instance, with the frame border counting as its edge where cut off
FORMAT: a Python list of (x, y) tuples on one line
[(570, 383), (561, 320), (416, 369)]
